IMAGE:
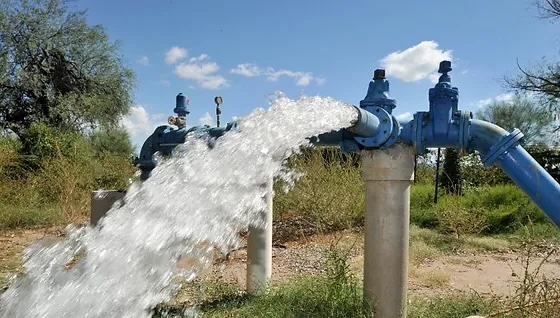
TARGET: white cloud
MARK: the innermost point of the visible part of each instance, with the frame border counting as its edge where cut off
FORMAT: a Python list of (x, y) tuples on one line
[(247, 69), (417, 62), (320, 80), (404, 117), (206, 120), (201, 70), (143, 60), (252, 70), (507, 97), (175, 54), (140, 124)]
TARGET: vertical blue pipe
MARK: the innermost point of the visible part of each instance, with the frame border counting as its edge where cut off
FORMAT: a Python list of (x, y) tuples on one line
[(518, 164)]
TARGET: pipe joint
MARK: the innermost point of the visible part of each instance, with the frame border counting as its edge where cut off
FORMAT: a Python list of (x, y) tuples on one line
[(386, 130), (379, 106), (502, 146)]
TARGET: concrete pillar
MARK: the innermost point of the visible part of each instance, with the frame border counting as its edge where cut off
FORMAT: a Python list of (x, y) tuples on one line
[(388, 175), (259, 250), (102, 201)]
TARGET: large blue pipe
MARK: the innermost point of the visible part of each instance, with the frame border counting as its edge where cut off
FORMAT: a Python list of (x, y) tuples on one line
[(366, 124), (502, 148)]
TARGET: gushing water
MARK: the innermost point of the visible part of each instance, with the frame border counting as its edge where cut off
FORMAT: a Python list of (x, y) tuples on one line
[(199, 199)]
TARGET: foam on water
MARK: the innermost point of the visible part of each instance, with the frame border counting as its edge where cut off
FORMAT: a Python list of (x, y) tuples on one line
[(198, 199)]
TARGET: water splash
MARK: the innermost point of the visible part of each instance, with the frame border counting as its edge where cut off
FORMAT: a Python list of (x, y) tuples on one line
[(197, 200)]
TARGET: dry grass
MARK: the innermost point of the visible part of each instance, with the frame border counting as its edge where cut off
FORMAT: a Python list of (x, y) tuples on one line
[(430, 278)]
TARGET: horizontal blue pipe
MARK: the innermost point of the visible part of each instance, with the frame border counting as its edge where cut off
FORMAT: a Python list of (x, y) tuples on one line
[(365, 125), (518, 164)]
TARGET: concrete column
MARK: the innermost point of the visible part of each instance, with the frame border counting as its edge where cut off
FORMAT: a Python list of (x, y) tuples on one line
[(387, 174), (259, 250), (102, 201)]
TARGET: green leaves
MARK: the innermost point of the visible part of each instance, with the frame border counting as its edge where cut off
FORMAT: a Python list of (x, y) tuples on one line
[(58, 70), (534, 120)]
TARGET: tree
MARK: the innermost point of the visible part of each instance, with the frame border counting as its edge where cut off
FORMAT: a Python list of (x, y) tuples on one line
[(544, 79), (112, 141), (451, 175), (534, 120), (57, 70)]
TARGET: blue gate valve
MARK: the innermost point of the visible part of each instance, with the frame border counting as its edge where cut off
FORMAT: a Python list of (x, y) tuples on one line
[(165, 138), (443, 126), (375, 127)]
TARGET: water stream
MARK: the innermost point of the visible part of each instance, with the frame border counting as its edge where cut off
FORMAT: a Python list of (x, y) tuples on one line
[(198, 199)]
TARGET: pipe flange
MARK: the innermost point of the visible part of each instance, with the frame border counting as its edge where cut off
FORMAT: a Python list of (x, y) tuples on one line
[(384, 131), (502, 146), (395, 133)]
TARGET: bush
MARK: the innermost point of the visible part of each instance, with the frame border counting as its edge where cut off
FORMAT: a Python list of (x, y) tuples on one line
[(488, 210), (330, 195), (49, 179), (422, 211)]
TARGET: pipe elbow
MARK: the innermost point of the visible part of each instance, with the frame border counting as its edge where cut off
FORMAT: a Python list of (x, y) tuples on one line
[(491, 140)]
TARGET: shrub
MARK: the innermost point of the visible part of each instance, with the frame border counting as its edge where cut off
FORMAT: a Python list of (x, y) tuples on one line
[(330, 195), (49, 179)]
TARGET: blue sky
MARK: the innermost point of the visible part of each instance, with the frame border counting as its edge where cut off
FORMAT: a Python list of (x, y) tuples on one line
[(245, 50)]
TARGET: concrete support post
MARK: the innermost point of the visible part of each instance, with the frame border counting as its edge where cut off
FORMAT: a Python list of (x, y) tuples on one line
[(101, 203), (388, 175), (259, 250)]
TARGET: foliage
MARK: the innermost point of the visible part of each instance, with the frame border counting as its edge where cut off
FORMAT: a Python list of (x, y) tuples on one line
[(475, 174), (534, 120), (451, 174), (455, 305), (543, 80), (486, 210), (330, 195), (58, 189), (57, 70), (458, 218), (111, 140)]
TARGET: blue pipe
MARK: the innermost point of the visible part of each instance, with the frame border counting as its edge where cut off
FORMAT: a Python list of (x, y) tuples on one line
[(366, 125), (165, 138), (499, 147), (374, 127)]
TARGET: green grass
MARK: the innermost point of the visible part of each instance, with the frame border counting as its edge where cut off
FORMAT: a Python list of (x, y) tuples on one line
[(459, 305), (28, 214)]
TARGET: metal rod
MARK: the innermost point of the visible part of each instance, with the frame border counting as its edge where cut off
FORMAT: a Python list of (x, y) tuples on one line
[(218, 112), (437, 175)]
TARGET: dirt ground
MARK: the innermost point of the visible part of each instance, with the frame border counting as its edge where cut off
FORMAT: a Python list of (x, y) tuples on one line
[(483, 272)]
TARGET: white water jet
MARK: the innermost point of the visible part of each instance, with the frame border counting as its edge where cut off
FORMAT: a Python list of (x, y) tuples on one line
[(198, 199)]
